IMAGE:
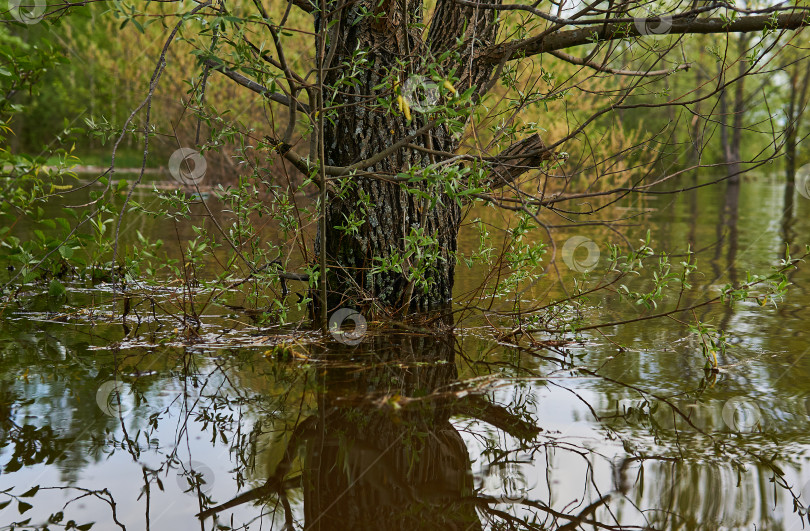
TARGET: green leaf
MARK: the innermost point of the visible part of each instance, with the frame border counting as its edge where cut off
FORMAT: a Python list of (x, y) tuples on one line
[(56, 289), (22, 507)]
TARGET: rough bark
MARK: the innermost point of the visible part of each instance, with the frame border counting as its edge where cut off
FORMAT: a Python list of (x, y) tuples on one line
[(515, 160), (359, 130)]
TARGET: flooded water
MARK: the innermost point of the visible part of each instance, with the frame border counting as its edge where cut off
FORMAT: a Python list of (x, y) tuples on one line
[(133, 425)]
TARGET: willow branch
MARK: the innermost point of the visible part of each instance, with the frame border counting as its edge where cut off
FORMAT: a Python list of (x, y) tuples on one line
[(252, 85), (599, 68)]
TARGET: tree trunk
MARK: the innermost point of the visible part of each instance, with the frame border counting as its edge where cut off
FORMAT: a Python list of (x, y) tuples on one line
[(791, 132), (795, 110), (732, 144), (361, 129), (739, 109), (698, 123)]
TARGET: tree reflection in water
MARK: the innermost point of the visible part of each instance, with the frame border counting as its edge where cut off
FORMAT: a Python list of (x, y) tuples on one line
[(407, 431), (381, 451)]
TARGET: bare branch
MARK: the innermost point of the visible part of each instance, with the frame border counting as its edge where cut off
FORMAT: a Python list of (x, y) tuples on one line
[(304, 5), (590, 64), (608, 32), (252, 85)]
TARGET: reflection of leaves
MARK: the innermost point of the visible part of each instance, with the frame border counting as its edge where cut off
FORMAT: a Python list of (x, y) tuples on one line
[(55, 518), (32, 446), (7, 401), (30, 492)]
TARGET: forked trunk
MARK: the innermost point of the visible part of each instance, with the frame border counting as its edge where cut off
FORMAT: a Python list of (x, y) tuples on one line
[(387, 246), (385, 214)]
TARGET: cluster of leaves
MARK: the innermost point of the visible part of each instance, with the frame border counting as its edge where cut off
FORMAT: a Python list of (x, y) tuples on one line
[(55, 520), (28, 180)]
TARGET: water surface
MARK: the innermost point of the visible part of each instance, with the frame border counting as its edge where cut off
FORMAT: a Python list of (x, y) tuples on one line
[(133, 424)]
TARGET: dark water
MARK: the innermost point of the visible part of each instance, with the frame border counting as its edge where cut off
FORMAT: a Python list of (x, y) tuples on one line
[(136, 426)]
